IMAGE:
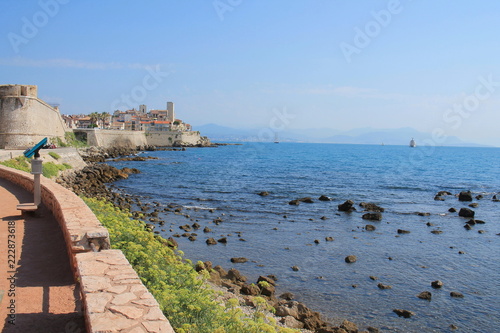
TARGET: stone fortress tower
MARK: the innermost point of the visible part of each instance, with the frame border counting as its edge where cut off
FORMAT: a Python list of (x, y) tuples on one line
[(25, 119), (170, 112)]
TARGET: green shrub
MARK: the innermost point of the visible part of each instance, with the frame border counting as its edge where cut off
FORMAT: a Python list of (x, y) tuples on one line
[(187, 301), (54, 155)]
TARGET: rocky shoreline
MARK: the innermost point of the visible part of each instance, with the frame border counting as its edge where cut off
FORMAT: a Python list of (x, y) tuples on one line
[(94, 181)]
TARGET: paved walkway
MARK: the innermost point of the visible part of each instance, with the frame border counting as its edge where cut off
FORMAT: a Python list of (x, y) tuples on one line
[(43, 297)]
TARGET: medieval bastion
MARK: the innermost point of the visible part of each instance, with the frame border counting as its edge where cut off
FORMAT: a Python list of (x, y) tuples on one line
[(25, 119)]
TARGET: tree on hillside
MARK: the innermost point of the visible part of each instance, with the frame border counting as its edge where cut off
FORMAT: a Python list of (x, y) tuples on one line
[(94, 118)]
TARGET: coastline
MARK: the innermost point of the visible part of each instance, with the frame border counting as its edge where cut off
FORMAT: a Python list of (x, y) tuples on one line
[(93, 181)]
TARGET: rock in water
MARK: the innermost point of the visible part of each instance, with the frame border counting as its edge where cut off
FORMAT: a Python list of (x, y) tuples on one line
[(372, 216), (465, 196), (211, 241), (264, 193), (403, 313), (456, 294), (466, 212), (383, 286), (427, 295), (324, 198), (437, 284), (351, 259), (371, 207), (239, 260), (347, 206)]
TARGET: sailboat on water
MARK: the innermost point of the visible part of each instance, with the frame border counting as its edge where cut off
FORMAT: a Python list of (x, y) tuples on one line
[(276, 140), (413, 143)]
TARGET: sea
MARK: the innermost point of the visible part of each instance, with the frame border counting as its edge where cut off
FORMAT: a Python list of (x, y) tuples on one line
[(219, 188)]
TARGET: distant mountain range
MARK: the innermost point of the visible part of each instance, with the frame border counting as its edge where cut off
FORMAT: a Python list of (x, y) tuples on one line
[(398, 136)]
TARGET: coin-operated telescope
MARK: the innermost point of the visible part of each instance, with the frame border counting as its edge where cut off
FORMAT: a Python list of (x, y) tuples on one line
[(36, 171)]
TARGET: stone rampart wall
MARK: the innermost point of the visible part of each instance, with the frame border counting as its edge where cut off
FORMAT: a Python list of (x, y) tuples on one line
[(113, 296), (26, 119)]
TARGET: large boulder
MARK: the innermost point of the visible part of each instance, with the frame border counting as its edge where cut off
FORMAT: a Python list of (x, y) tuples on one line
[(235, 276), (250, 289), (324, 198)]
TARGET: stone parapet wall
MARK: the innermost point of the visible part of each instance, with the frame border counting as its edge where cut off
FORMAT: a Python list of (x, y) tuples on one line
[(114, 298)]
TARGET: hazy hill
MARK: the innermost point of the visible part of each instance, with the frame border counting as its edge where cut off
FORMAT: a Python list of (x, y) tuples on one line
[(397, 136)]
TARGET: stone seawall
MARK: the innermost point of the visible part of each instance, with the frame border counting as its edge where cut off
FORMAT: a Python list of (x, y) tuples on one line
[(114, 298), (133, 139)]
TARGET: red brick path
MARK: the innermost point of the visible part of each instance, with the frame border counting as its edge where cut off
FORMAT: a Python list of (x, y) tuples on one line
[(46, 296)]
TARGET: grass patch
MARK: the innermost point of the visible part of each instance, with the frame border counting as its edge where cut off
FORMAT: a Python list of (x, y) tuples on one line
[(51, 169), (55, 156), (71, 141), (20, 163), (187, 301)]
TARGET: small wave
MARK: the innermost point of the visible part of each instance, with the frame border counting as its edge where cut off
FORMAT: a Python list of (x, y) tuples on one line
[(199, 207)]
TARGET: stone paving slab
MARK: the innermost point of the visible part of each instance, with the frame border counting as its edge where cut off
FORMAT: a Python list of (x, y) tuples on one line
[(115, 298)]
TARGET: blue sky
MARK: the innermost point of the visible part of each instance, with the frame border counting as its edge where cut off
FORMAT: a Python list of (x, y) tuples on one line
[(433, 66)]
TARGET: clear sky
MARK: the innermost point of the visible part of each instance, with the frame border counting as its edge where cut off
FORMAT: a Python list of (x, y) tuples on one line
[(430, 65)]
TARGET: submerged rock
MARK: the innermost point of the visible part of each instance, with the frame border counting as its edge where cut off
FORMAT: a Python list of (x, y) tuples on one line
[(403, 313), (372, 216), (263, 193), (371, 207), (384, 286), (239, 260), (456, 294)]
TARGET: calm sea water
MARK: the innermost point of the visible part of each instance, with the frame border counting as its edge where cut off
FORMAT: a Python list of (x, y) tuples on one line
[(277, 236)]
